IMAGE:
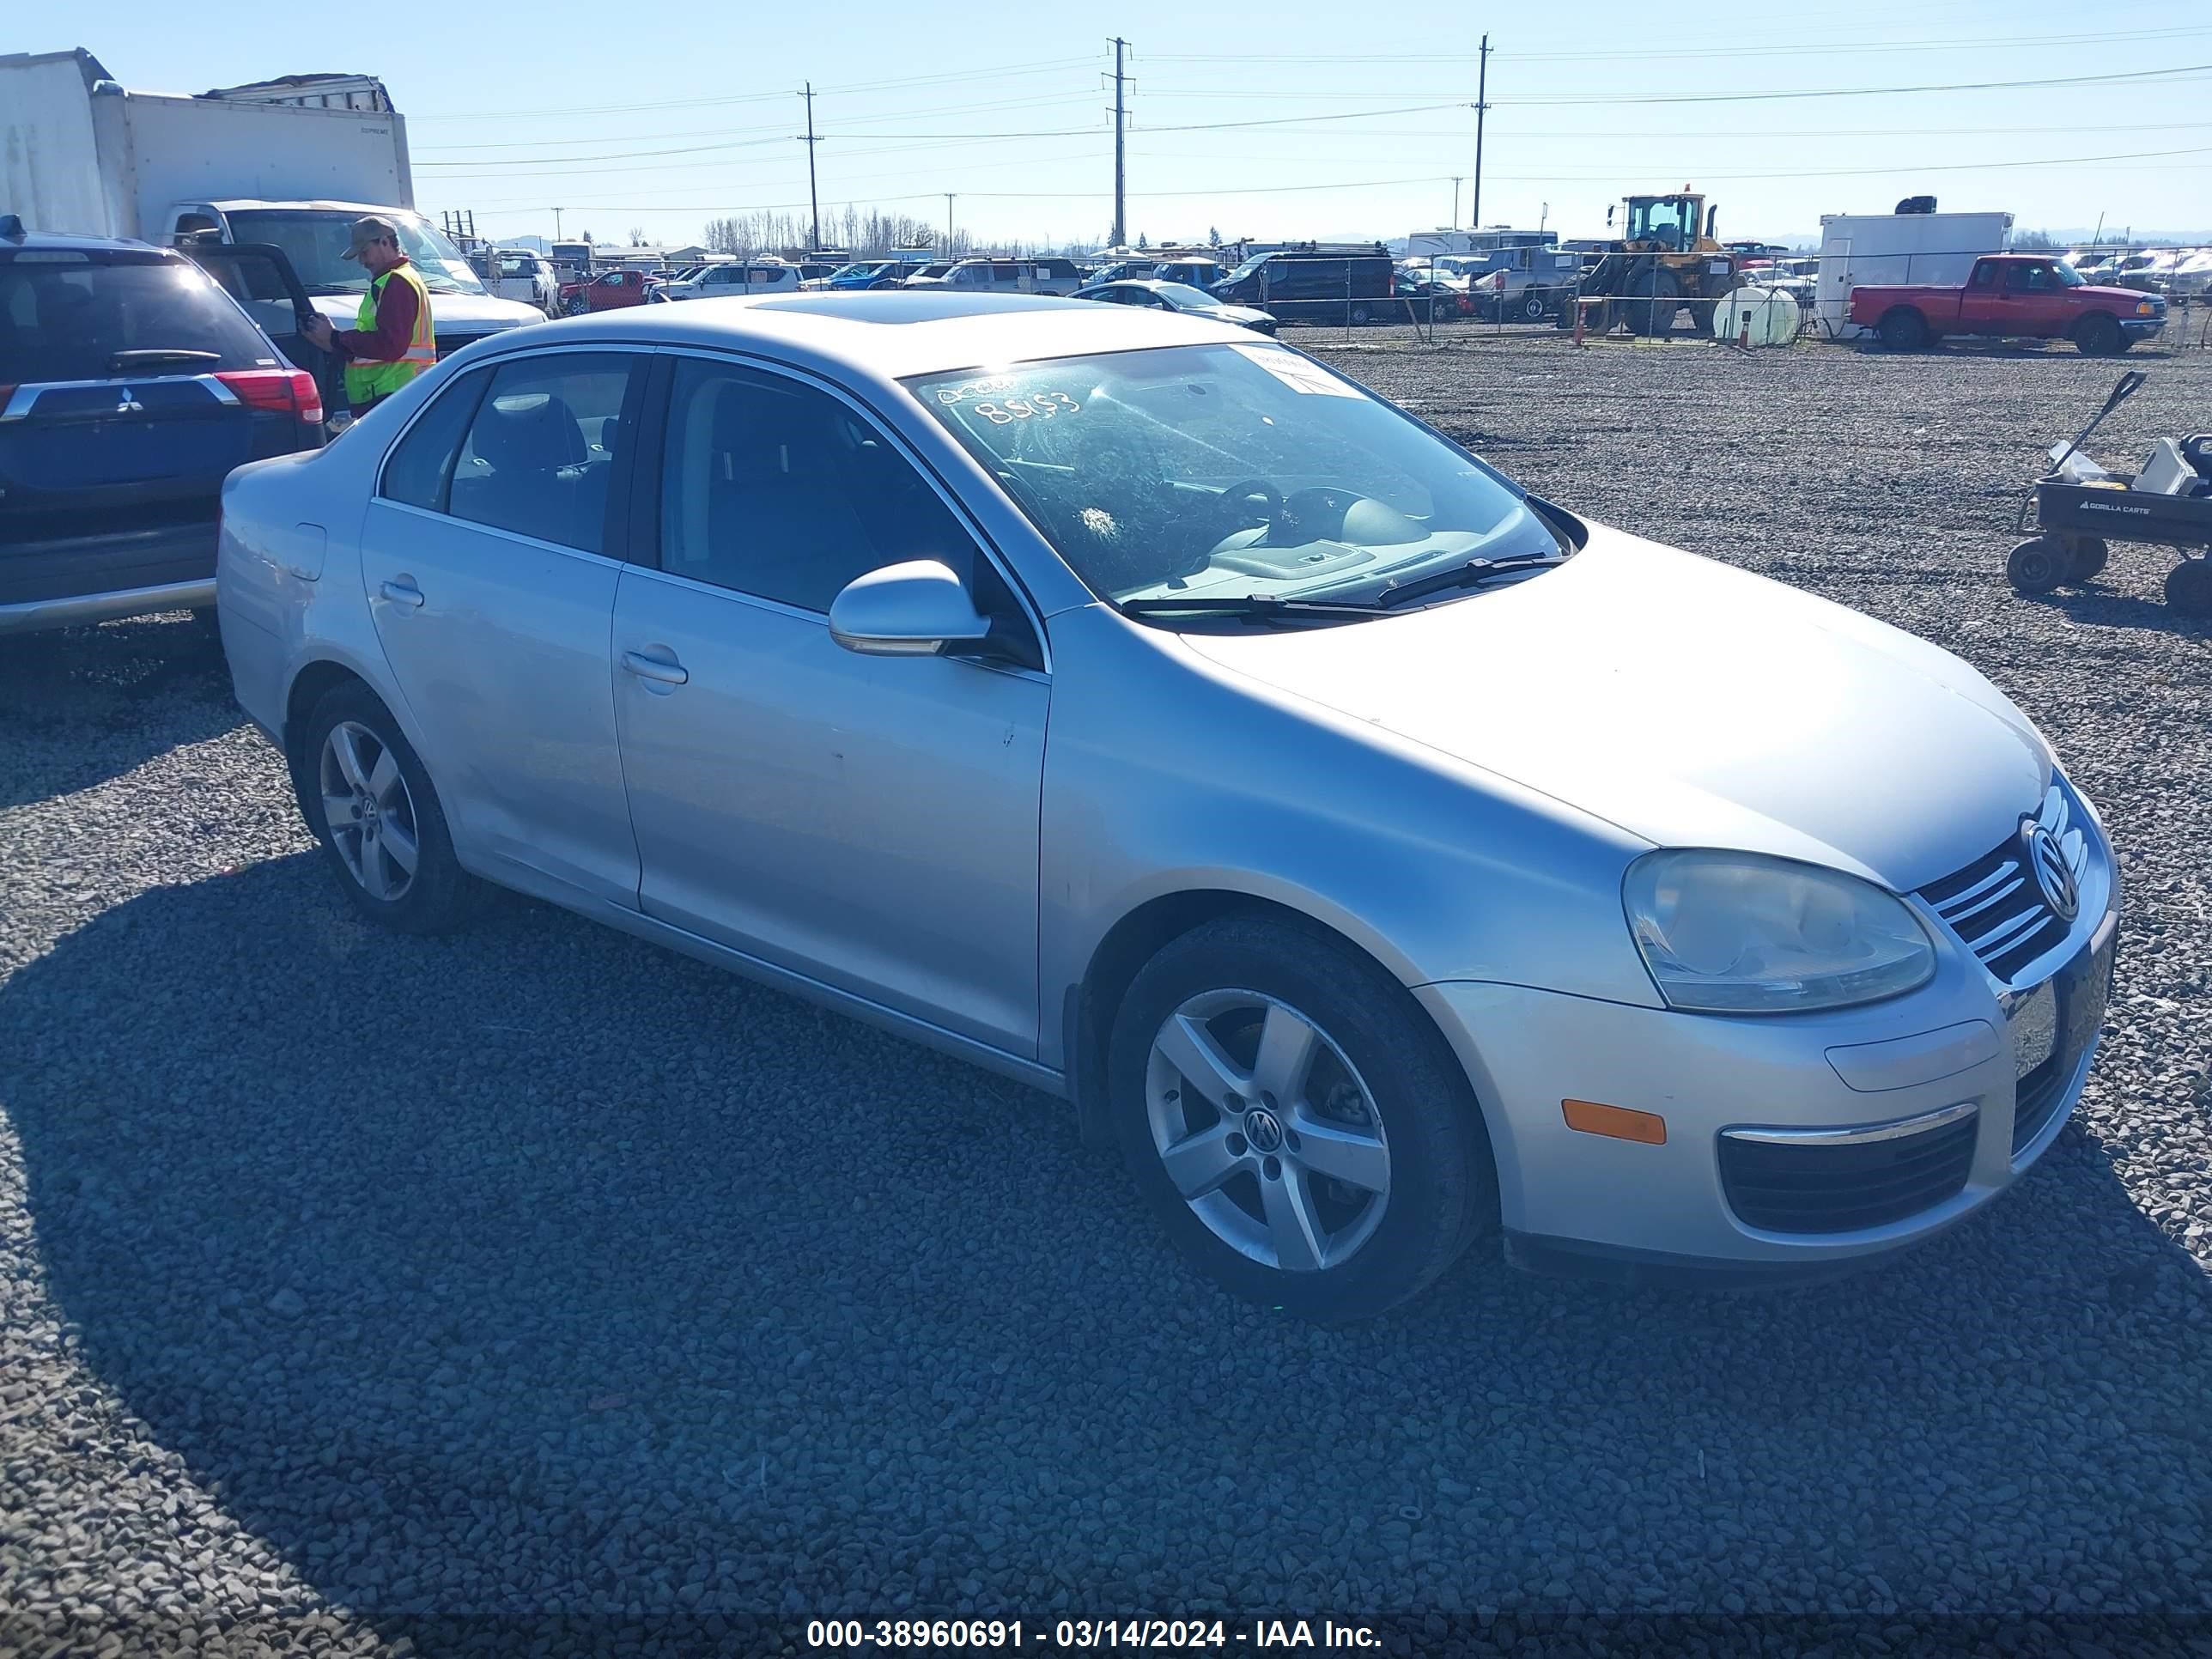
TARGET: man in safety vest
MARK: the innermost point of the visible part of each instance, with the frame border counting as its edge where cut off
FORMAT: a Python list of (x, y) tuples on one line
[(392, 341)]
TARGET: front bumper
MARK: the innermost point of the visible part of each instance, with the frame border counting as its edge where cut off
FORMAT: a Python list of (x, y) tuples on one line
[(1590, 1205), (2137, 329)]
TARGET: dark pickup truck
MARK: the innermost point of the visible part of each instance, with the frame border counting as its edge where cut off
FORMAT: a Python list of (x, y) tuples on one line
[(2012, 295)]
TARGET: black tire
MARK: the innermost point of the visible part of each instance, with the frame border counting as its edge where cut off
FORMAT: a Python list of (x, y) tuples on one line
[(1443, 1187), (439, 895), (2089, 555), (1533, 306), (578, 307), (1359, 316), (1658, 298), (1701, 316), (2038, 565), (2189, 587), (1904, 330), (2098, 335)]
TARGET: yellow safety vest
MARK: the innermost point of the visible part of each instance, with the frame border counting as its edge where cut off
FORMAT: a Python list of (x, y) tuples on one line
[(365, 382)]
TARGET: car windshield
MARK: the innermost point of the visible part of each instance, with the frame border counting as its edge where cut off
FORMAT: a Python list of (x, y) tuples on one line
[(2068, 277), (1225, 471), (315, 241), (1246, 269), (1184, 297)]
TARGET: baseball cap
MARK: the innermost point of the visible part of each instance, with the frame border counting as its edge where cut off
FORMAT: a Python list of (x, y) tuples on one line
[(371, 229)]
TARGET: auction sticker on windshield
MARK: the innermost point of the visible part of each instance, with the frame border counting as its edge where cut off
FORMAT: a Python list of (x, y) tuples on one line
[(1299, 373)]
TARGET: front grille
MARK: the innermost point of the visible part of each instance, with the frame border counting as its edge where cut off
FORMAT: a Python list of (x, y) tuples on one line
[(1996, 906), (1794, 1186)]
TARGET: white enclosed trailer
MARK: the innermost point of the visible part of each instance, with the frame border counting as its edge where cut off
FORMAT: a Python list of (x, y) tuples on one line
[(79, 153), (1859, 250), (291, 163)]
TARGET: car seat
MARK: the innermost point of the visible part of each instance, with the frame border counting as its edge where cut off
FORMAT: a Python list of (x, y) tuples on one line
[(526, 471)]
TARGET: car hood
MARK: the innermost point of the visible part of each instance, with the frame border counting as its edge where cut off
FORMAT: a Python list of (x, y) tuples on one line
[(451, 313), (1690, 703), (2119, 297)]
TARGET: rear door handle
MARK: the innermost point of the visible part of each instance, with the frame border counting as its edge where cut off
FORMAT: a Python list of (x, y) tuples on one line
[(652, 668), (403, 591)]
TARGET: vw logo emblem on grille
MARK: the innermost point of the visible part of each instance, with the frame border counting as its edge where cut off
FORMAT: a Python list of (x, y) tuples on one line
[(1262, 1129), (2047, 859)]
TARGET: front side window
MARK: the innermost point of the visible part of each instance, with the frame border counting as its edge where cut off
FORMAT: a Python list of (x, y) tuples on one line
[(540, 450), (1226, 472), (773, 489)]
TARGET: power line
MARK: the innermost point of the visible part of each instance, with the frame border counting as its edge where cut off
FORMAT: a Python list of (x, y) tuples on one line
[(962, 77)]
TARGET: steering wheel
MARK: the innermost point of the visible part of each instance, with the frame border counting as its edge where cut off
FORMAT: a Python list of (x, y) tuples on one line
[(1240, 495)]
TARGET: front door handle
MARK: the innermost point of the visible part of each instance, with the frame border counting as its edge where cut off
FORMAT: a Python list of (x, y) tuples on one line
[(652, 668), (403, 591)]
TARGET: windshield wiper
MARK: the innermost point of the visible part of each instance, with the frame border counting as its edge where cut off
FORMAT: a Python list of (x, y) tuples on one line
[(1471, 574), (1261, 607)]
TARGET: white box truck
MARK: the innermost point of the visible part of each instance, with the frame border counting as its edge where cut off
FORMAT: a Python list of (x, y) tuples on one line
[(1860, 250), (290, 162)]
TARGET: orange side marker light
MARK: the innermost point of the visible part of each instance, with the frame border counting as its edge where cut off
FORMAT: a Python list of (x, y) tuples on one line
[(1617, 1122)]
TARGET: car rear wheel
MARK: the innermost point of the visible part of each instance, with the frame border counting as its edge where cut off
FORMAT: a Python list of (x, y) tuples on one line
[(1295, 1122), (1534, 305), (372, 807), (1904, 330)]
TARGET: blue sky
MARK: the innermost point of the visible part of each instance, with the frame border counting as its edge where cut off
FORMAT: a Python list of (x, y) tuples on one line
[(1313, 120)]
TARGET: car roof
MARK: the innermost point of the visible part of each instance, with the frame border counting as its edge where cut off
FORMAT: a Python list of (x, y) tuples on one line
[(891, 334), (67, 241)]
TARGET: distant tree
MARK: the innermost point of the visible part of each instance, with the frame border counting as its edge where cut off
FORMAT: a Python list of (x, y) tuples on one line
[(587, 238), (1143, 240), (637, 236), (1214, 236)]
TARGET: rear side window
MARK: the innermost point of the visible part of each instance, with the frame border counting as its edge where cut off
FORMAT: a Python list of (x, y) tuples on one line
[(65, 317), (422, 465), (539, 456)]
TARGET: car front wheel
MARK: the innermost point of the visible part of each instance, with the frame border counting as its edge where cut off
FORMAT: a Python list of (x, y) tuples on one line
[(1295, 1120), (372, 807)]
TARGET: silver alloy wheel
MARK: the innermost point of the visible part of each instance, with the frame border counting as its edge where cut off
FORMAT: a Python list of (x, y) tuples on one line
[(1267, 1130), (370, 815)]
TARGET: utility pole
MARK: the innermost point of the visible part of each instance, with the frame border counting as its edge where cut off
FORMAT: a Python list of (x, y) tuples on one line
[(1457, 179), (813, 201), (948, 224), (556, 224), (1481, 108), (1121, 174)]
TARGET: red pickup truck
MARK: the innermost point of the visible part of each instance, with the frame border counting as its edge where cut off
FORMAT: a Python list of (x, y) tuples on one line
[(2018, 295)]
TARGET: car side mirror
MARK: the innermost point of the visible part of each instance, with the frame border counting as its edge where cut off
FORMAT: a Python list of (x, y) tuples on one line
[(913, 610)]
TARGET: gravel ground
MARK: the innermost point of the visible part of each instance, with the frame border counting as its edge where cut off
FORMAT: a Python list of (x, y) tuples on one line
[(535, 1285)]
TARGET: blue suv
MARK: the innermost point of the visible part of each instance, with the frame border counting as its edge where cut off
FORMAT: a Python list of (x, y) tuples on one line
[(132, 381)]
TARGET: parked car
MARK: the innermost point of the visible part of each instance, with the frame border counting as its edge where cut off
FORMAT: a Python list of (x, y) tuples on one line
[(135, 383), (1662, 980), (741, 277), (1197, 273), (611, 291), (1316, 285), (1528, 284), (2011, 295), (1178, 296), (1005, 276), (519, 273), (928, 275)]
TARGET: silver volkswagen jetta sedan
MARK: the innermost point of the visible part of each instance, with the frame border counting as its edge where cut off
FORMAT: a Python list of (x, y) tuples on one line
[(1382, 855)]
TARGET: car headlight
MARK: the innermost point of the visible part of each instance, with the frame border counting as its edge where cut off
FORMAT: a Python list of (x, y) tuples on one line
[(1746, 934)]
